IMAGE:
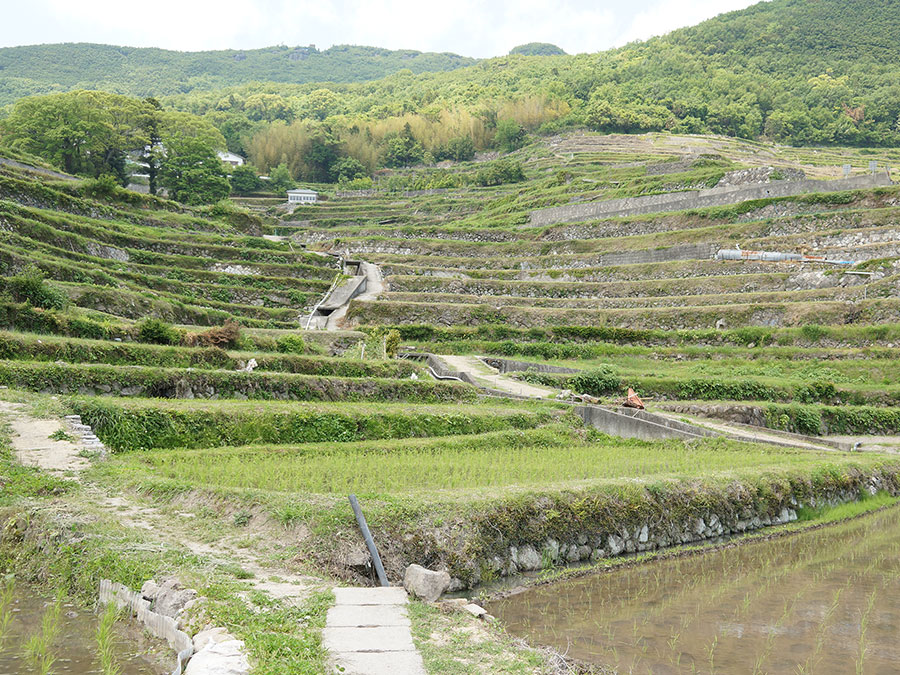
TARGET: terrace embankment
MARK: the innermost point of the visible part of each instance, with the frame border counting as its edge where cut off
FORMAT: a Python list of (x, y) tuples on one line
[(716, 196), (516, 533)]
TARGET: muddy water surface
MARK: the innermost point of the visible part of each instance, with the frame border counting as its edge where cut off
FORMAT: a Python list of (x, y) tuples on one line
[(75, 649), (826, 601)]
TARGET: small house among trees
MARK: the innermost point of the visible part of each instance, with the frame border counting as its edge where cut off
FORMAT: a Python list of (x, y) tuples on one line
[(231, 158), (302, 196)]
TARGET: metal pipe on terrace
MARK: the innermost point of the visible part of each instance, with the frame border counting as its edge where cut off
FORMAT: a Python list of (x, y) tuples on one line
[(776, 256)]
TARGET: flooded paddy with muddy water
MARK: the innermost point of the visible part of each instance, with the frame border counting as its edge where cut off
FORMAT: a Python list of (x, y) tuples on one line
[(822, 601), (73, 648)]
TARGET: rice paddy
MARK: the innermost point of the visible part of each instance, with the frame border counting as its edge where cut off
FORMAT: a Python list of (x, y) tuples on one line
[(546, 456), (823, 601)]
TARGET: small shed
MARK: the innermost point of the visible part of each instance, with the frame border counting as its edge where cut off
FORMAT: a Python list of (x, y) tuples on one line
[(302, 196)]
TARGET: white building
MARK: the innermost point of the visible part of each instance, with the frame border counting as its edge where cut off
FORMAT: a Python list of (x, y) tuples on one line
[(231, 158), (300, 196)]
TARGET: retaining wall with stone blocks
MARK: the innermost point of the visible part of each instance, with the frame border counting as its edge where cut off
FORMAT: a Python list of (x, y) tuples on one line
[(698, 199), (702, 525), (512, 366), (88, 439)]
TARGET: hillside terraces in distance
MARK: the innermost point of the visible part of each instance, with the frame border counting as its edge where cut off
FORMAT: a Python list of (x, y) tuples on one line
[(151, 258), (467, 257)]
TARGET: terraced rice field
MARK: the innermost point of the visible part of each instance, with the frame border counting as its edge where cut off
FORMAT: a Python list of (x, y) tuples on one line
[(468, 257), (224, 401)]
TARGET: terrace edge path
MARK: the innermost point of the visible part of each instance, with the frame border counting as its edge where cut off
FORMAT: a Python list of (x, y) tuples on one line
[(33, 446), (492, 378), (367, 632)]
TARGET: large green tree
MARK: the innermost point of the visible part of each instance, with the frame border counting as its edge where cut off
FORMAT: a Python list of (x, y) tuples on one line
[(193, 173), (244, 179), (82, 132)]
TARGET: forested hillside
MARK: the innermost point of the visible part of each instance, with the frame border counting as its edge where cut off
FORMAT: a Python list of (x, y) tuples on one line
[(787, 71), (156, 72)]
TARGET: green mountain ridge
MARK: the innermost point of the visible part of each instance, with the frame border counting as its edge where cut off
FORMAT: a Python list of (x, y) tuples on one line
[(37, 69), (785, 71)]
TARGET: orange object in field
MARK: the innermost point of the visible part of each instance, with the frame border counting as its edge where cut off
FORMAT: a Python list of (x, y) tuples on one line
[(633, 400)]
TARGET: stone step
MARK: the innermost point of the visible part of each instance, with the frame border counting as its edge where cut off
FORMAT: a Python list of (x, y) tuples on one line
[(367, 615), (342, 639), (381, 663), (392, 595)]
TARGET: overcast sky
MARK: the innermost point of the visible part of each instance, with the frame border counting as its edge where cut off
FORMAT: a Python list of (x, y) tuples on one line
[(469, 27)]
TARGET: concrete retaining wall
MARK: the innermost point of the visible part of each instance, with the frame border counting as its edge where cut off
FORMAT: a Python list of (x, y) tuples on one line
[(344, 293), (698, 199), (159, 626), (441, 370), (511, 366), (638, 424)]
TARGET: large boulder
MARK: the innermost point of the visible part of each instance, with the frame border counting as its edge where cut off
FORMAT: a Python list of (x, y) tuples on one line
[(172, 597), (425, 584), (219, 658), (529, 558)]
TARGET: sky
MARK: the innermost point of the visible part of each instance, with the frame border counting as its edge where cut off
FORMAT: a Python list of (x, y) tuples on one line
[(469, 27)]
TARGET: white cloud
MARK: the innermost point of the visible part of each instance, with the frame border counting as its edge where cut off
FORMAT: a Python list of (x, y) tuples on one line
[(667, 15)]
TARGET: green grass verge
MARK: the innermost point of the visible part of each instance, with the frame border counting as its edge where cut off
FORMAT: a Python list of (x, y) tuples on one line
[(521, 459), (187, 383), (139, 425)]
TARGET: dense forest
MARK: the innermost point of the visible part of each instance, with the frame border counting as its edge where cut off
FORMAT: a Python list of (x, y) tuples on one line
[(790, 71)]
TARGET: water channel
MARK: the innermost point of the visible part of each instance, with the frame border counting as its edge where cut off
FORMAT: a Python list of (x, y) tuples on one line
[(75, 647), (824, 601)]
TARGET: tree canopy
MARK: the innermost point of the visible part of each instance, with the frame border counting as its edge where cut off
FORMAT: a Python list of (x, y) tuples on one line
[(193, 173)]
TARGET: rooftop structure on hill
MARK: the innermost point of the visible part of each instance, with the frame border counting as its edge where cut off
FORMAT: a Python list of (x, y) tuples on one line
[(302, 196)]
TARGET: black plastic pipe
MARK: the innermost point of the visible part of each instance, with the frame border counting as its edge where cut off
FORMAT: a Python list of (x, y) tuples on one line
[(361, 521)]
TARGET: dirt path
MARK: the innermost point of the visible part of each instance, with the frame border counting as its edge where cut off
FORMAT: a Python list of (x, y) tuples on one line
[(36, 169), (33, 445), (491, 377)]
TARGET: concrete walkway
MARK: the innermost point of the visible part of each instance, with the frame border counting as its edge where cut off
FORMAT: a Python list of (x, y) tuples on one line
[(758, 435), (374, 288), (491, 377), (367, 633)]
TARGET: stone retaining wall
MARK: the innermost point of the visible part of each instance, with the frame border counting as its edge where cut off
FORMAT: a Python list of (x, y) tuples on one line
[(698, 199), (584, 543), (511, 366)]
